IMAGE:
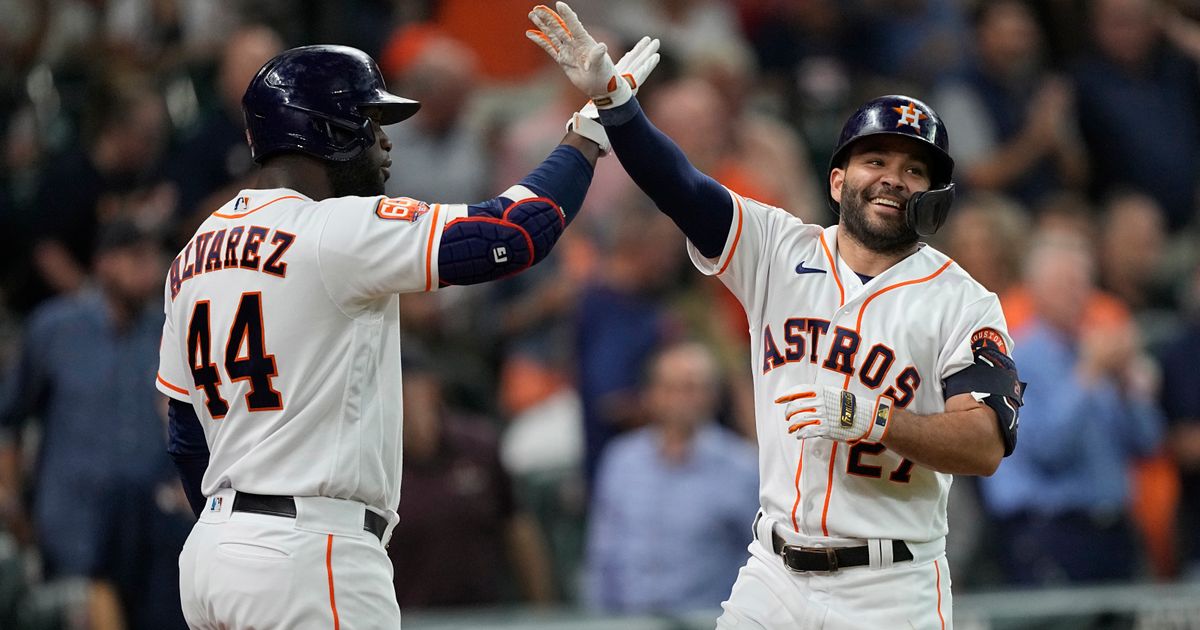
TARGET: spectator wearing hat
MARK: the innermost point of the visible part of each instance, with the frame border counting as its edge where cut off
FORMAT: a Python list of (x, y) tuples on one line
[(104, 502)]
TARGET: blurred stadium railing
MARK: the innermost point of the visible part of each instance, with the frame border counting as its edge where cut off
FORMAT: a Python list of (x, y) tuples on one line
[(1135, 607)]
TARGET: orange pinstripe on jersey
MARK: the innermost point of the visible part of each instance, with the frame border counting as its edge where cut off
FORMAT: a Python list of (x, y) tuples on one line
[(863, 309), (329, 571), (796, 504), (172, 387), (253, 210), (846, 384), (828, 488), (437, 208), (833, 269), (737, 236)]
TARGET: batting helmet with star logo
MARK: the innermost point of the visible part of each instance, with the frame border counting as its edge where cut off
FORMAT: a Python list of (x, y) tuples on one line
[(900, 115)]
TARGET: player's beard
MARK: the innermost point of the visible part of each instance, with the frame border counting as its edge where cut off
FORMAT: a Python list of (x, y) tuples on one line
[(359, 176), (890, 236)]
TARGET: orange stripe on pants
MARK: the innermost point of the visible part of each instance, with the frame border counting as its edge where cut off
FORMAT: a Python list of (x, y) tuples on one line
[(329, 571)]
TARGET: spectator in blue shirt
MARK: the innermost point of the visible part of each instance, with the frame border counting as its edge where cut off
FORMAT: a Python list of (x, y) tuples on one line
[(103, 489), (1062, 499), (674, 501)]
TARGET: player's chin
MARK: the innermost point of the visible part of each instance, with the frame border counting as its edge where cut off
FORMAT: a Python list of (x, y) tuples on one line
[(890, 222)]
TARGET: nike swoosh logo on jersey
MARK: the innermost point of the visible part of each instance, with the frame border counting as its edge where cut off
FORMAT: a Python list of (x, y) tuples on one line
[(801, 269)]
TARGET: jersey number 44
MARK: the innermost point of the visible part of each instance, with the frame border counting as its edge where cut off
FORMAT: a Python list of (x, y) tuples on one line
[(246, 357)]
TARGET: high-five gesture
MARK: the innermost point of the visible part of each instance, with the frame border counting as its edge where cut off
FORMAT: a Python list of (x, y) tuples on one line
[(586, 62)]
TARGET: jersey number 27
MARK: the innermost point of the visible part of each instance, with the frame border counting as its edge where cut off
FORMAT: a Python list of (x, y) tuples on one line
[(254, 365)]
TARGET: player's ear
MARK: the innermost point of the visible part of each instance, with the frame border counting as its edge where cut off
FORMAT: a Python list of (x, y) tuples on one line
[(836, 177)]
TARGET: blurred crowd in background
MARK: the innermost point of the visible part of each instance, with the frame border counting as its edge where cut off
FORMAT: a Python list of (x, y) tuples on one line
[(582, 434)]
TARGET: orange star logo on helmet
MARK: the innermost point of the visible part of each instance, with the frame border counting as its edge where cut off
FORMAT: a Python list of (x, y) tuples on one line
[(910, 116)]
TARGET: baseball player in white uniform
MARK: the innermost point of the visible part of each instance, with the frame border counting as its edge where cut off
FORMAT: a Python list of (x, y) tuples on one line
[(281, 347), (880, 367)]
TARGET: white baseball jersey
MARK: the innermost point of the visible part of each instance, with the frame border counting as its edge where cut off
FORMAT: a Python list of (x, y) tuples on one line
[(813, 320), (283, 332)]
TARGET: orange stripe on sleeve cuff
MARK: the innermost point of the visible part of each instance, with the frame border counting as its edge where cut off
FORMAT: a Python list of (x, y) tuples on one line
[(433, 229), (174, 388), (737, 235)]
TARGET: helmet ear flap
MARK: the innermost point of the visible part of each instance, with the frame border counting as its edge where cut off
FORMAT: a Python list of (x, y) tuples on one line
[(899, 115), (927, 210), (345, 136)]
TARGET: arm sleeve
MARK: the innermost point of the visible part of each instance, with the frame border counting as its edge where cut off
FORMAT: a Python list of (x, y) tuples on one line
[(507, 234), (697, 203), (563, 177), (188, 449), (372, 247)]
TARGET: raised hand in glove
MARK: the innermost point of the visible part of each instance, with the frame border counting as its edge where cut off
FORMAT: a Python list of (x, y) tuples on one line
[(835, 414), (587, 64), (582, 58)]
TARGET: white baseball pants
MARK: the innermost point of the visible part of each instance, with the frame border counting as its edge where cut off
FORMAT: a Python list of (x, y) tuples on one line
[(767, 595), (319, 570)]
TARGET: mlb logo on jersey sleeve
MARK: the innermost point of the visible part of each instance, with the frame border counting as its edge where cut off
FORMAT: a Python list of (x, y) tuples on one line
[(401, 209)]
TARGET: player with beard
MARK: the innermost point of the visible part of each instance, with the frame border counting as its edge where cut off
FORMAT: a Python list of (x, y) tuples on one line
[(880, 367), (882, 231), (280, 352)]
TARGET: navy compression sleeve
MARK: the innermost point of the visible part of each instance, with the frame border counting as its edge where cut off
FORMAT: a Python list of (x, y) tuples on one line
[(563, 176), (188, 449), (500, 237), (697, 203)]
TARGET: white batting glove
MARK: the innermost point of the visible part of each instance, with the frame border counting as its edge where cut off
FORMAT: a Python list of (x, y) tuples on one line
[(634, 67), (584, 60), (836, 414)]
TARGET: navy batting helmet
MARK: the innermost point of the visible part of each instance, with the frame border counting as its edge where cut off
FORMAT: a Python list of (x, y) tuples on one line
[(905, 116), (311, 99)]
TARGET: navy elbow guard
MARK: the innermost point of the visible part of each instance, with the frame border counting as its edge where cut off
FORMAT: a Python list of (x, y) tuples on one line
[(498, 238), (993, 380)]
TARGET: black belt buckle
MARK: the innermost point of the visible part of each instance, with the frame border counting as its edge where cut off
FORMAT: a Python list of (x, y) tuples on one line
[(805, 559)]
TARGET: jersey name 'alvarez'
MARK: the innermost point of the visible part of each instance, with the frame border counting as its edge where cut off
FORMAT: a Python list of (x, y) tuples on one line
[(801, 336), (255, 248)]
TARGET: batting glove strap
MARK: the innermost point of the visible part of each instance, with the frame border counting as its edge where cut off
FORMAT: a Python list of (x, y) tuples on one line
[(590, 128)]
